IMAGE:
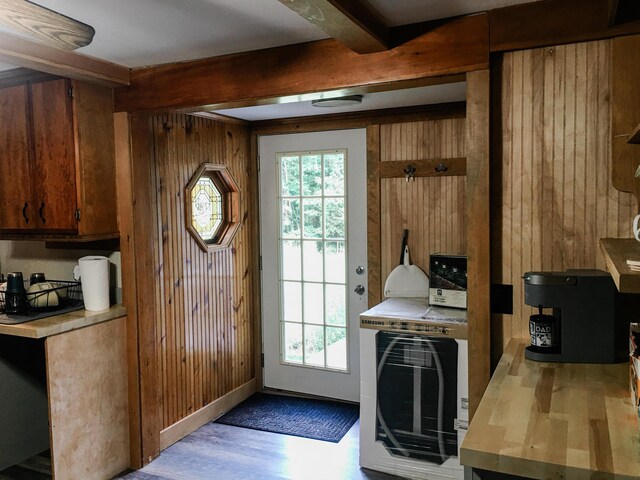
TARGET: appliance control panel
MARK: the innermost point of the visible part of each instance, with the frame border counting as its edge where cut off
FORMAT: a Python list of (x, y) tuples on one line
[(423, 327)]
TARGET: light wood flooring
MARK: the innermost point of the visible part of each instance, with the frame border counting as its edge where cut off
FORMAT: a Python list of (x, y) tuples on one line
[(223, 452)]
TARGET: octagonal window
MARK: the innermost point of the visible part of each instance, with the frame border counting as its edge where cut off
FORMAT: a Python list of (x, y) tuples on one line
[(212, 206)]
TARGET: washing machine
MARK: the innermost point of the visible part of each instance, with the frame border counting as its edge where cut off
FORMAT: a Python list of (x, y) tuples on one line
[(414, 389)]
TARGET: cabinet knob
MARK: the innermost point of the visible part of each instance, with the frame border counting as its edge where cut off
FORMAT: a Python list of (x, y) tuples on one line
[(24, 212)]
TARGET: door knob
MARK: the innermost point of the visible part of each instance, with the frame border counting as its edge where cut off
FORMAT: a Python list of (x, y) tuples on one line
[(359, 289), (359, 269)]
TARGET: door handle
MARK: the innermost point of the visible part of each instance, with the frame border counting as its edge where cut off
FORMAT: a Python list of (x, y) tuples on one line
[(41, 213), (24, 212), (359, 290)]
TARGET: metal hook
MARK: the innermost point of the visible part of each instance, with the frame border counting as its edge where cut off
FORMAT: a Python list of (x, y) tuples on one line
[(441, 167), (410, 172)]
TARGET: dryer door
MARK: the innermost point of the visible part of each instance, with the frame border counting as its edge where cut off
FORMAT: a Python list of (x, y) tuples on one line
[(417, 381)]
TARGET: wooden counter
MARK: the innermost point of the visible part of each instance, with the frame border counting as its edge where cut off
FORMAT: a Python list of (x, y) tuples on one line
[(67, 322), (555, 420)]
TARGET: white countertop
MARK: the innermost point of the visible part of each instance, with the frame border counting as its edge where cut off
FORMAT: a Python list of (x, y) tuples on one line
[(415, 309)]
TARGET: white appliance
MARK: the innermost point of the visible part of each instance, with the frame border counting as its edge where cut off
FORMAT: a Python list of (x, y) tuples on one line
[(413, 389)]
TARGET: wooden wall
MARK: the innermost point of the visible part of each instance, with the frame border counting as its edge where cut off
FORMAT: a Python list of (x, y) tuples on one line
[(432, 208), (551, 174), (203, 300)]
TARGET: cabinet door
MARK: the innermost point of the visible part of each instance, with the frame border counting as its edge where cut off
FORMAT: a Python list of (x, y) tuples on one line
[(54, 156), (16, 205)]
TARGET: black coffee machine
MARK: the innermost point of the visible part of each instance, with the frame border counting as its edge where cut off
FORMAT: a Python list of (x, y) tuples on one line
[(590, 321)]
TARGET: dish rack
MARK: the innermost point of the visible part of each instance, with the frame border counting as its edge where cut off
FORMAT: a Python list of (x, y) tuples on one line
[(62, 294)]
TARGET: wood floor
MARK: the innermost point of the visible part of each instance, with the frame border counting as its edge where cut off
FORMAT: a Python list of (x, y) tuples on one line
[(223, 452)]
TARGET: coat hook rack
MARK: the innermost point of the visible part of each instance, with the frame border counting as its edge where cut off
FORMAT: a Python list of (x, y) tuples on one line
[(441, 167), (410, 173)]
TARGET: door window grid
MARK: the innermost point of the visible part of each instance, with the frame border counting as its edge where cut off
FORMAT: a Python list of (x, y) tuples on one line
[(312, 250)]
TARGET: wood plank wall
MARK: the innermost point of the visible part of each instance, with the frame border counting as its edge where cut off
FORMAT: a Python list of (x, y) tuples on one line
[(204, 300), (552, 192), (432, 208)]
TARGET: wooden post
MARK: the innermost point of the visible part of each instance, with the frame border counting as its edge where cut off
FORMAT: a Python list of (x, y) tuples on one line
[(478, 238), (136, 220)]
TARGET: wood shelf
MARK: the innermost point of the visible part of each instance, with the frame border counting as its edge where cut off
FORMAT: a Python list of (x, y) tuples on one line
[(616, 252), (635, 135)]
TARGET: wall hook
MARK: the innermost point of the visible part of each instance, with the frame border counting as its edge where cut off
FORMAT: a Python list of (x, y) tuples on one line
[(410, 172), (441, 167)]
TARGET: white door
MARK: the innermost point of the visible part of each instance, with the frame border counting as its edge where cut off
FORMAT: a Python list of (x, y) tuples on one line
[(313, 222)]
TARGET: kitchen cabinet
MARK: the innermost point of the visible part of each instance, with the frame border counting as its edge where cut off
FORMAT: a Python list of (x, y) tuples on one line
[(65, 388), (57, 164)]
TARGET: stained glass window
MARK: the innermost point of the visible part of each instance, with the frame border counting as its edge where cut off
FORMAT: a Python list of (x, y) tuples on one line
[(206, 208), (212, 202)]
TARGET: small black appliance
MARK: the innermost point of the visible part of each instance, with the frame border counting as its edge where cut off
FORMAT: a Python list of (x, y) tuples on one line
[(590, 320)]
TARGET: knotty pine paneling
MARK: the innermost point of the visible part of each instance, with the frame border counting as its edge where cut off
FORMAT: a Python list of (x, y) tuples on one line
[(553, 195), (204, 300), (432, 208)]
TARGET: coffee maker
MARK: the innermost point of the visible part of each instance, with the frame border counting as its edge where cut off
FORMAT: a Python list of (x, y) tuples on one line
[(591, 318)]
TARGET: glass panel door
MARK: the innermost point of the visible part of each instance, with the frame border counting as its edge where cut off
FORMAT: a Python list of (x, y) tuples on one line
[(312, 254), (313, 210)]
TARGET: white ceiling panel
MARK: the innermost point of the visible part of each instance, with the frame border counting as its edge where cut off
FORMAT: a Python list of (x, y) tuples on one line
[(139, 33), (403, 12), (451, 92)]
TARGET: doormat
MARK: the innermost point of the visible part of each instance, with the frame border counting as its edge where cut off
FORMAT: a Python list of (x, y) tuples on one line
[(301, 417)]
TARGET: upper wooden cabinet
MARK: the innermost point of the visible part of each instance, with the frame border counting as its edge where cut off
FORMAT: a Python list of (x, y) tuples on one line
[(625, 111), (57, 163)]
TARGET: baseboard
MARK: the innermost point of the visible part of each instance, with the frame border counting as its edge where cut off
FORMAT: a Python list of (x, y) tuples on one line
[(184, 427)]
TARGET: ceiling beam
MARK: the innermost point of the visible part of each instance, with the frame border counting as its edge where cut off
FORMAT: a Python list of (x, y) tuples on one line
[(300, 72), (20, 52), (44, 25), (351, 22), (613, 12), (554, 22)]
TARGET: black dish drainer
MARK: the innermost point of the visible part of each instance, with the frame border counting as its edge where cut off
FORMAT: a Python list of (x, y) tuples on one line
[(68, 294)]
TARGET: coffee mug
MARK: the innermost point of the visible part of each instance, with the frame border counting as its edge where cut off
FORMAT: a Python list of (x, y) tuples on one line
[(636, 227)]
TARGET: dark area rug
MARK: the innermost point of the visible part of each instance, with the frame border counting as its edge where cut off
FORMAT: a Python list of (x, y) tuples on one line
[(301, 417)]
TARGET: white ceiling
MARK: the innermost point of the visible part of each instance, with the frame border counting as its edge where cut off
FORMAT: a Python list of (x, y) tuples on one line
[(451, 92), (138, 33)]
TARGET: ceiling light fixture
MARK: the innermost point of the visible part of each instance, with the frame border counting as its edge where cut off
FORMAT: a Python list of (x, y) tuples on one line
[(347, 101)]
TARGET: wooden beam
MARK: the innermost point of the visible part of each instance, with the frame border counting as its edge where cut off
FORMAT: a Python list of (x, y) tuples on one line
[(293, 72), (351, 22), (553, 22), (20, 52), (478, 238), (44, 25), (613, 12), (138, 249), (374, 217)]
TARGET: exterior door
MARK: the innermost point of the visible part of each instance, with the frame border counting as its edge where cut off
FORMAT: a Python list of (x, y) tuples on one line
[(313, 249)]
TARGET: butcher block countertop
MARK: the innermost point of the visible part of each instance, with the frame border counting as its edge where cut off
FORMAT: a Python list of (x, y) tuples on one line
[(555, 421), (46, 327)]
